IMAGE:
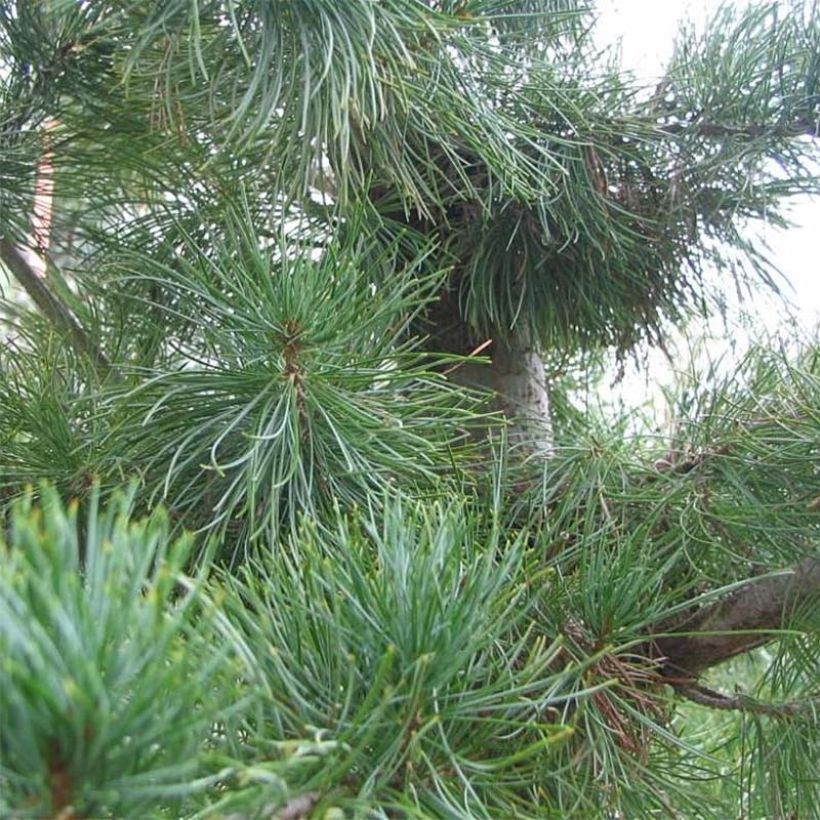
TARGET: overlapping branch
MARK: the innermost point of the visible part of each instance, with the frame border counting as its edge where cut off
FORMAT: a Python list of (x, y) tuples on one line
[(51, 307), (746, 618), (705, 696)]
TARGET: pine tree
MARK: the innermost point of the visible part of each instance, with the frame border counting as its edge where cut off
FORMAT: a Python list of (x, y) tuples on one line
[(300, 515)]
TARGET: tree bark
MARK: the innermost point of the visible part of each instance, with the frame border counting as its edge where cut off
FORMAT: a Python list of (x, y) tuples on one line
[(514, 375), (745, 619)]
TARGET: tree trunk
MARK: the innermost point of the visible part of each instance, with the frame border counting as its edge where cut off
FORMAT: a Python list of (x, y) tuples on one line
[(514, 375)]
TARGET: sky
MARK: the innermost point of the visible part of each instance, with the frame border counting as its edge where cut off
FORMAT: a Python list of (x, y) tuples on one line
[(646, 30)]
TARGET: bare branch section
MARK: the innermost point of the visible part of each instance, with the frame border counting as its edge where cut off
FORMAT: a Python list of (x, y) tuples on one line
[(745, 619), (29, 269), (742, 703), (798, 128), (51, 307), (42, 217)]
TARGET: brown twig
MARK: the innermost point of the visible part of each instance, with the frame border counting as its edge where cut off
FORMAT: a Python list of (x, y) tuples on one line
[(42, 217), (60, 784), (50, 306), (31, 272), (482, 347), (705, 696)]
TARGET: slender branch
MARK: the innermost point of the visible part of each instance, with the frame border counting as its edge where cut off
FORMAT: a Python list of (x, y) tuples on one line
[(31, 274), (798, 128), (677, 462), (42, 217), (51, 307), (745, 619), (705, 696)]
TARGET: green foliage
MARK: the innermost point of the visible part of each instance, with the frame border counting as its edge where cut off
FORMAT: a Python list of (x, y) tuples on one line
[(288, 384), (415, 657), (406, 638), (431, 659), (113, 672), (574, 203), (262, 210), (49, 429), (294, 385)]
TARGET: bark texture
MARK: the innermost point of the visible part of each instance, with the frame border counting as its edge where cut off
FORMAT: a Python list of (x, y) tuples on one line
[(514, 375), (743, 620)]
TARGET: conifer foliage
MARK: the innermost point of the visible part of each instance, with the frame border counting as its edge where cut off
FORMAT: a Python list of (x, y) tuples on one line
[(299, 516)]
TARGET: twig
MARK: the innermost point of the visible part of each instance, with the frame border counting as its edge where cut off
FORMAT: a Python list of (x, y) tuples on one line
[(42, 217), (51, 307), (671, 463), (297, 808), (483, 346), (31, 273), (798, 128), (705, 696)]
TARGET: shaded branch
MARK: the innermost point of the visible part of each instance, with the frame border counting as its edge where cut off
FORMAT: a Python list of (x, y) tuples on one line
[(705, 696), (745, 619), (50, 306)]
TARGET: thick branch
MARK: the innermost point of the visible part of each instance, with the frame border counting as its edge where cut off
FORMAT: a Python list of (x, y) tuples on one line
[(745, 619), (514, 374), (51, 307)]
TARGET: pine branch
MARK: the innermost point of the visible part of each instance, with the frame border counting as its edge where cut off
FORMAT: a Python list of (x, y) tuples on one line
[(798, 128), (747, 618), (51, 306), (705, 696)]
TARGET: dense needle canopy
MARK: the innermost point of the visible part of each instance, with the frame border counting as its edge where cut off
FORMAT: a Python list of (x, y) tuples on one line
[(269, 256)]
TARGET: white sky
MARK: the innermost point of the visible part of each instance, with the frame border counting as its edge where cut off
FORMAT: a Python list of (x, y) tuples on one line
[(646, 30)]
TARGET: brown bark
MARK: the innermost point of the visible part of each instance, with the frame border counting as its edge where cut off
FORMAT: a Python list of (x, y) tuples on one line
[(745, 619), (29, 269)]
